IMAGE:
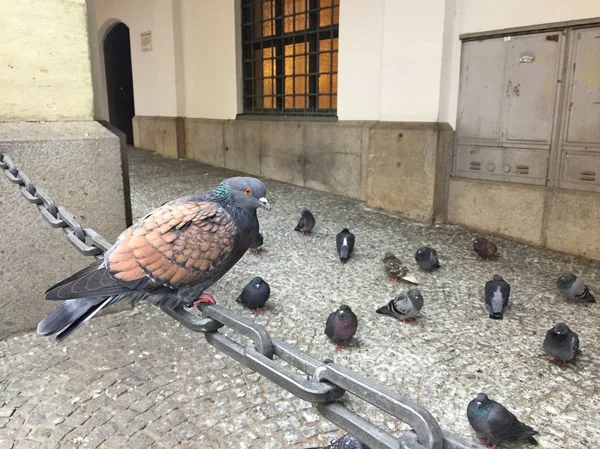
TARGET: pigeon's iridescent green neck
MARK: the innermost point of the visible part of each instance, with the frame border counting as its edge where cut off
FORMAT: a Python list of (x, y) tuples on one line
[(483, 410), (222, 192)]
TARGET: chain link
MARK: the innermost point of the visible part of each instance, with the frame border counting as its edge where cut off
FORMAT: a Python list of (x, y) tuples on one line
[(87, 241), (321, 383)]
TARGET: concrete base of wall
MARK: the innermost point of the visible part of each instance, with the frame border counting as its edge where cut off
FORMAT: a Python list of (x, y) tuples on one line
[(165, 135), (561, 220), (79, 165), (395, 166)]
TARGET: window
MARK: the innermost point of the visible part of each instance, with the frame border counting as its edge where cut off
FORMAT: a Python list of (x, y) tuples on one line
[(290, 54)]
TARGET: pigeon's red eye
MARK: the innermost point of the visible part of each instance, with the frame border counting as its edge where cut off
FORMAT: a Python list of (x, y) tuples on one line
[(247, 191)]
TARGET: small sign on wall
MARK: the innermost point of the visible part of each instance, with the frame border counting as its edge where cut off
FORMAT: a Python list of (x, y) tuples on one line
[(146, 37)]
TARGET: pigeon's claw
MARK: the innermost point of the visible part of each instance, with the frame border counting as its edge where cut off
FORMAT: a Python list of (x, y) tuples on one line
[(256, 311), (393, 280), (204, 298)]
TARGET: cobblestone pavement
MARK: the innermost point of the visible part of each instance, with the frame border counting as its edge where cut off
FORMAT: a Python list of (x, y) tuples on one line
[(136, 379)]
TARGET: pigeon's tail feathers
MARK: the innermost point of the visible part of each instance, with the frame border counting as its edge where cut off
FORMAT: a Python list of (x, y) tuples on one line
[(410, 278), (532, 440), (385, 310), (497, 316), (72, 314), (239, 299), (344, 253), (590, 297)]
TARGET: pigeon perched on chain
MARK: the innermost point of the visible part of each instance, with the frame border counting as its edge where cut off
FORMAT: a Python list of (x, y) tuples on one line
[(406, 306), (574, 288), (495, 424), (341, 326), (345, 244), (395, 269), (256, 244), (168, 258), (306, 222), (485, 249), (427, 258), (345, 442), (497, 292), (255, 294), (562, 344)]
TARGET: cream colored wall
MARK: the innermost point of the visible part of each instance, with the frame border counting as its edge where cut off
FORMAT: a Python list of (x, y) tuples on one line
[(485, 15), (154, 77), (45, 70), (209, 58)]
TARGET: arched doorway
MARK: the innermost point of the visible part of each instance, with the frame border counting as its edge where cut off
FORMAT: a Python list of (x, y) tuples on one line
[(119, 79)]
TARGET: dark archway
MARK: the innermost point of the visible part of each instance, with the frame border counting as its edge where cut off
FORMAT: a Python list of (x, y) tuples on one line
[(119, 79)]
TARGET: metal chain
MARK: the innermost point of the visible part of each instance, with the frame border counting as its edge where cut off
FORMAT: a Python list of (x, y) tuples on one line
[(321, 383), (87, 241)]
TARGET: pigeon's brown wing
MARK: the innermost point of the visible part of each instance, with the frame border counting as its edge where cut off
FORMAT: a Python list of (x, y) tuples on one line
[(181, 243), (395, 268)]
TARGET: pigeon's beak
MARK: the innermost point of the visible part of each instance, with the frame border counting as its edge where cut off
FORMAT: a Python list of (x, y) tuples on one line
[(264, 203)]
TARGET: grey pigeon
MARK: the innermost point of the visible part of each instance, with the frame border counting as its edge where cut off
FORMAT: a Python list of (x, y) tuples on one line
[(562, 344), (256, 244), (341, 326), (495, 424), (345, 244), (484, 248), (497, 292), (406, 306), (306, 222), (345, 442), (255, 294), (574, 288), (168, 258), (427, 258), (395, 269)]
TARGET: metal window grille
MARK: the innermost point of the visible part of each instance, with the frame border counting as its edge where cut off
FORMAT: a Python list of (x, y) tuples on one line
[(290, 57)]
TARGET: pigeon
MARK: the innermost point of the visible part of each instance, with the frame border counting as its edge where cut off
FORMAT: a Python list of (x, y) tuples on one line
[(256, 244), (562, 344), (168, 258), (396, 270), (306, 222), (427, 258), (497, 292), (341, 326), (406, 306), (574, 289), (345, 442), (495, 424), (484, 248), (345, 244), (255, 294)]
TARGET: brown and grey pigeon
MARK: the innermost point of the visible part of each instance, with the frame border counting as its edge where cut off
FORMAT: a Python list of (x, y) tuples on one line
[(341, 326), (306, 223), (345, 442), (485, 249), (562, 344), (255, 294), (168, 258), (574, 288), (495, 424), (395, 269)]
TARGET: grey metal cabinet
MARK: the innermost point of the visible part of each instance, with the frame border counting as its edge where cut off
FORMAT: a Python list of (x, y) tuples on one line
[(507, 107), (579, 142)]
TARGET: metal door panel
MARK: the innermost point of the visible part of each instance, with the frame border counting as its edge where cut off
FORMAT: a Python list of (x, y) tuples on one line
[(520, 165), (480, 99), (581, 171), (583, 124), (532, 63)]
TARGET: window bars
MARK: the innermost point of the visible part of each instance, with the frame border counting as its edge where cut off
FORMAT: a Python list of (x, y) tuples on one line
[(290, 57)]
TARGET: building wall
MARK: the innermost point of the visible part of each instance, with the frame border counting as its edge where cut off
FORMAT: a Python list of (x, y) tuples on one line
[(154, 77), (45, 72)]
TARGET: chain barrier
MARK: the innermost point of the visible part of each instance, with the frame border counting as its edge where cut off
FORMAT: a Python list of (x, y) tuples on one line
[(321, 383)]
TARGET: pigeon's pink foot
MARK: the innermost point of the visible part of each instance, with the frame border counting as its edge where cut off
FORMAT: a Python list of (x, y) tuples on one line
[(408, 320), (204, 298), (479, 259), (570, 301), (486, 442), (393, 280), (341, 346), (256, 311), (305, 234), (553, 361), (563, 364)]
